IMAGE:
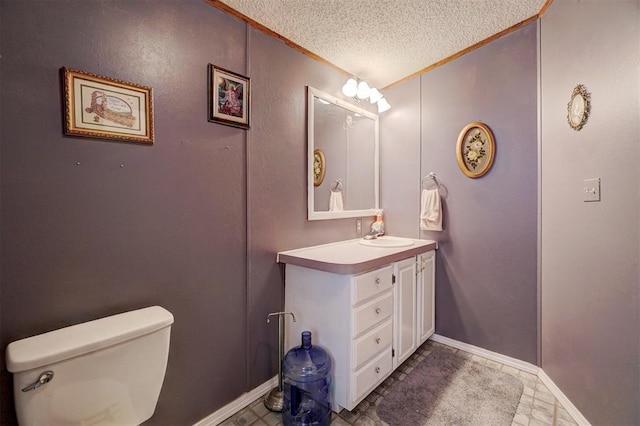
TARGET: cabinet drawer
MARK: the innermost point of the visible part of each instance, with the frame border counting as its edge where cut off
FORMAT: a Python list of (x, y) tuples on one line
[(371, 284), (372, 343), (372, 313), (370, 376)]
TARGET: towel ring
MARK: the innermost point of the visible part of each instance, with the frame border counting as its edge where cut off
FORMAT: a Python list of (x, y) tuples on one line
[(338, 185), (432, 176)]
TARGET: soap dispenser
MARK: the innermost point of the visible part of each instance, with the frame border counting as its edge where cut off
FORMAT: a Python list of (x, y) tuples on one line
[(377, 227)]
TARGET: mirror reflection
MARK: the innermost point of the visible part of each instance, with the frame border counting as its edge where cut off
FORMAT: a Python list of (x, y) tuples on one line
[(343, 158)]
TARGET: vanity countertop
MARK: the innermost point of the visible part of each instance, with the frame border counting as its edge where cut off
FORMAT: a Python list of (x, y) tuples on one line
[(351, 257)]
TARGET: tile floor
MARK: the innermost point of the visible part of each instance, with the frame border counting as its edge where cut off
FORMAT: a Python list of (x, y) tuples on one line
[(537, 405)]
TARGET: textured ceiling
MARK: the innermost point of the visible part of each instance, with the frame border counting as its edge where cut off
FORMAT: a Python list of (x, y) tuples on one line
[(384, 41)]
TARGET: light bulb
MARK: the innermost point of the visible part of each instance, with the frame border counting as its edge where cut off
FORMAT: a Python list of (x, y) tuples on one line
[(383, 105), (350, 88), (375, 95), (363, 90)]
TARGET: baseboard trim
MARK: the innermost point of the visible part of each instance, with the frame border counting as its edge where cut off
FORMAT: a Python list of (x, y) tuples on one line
[(494, 356), (238, 404), (560, 396)]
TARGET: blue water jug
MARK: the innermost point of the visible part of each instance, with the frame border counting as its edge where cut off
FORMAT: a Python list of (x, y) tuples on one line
[(306, 372)]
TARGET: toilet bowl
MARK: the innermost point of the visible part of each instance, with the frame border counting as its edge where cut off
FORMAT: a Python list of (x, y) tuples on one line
[(103, 372)]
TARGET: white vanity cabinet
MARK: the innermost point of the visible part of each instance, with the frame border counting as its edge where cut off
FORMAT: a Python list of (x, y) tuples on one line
[(426, 293), (369, 321), (406, 311), (414, 312), (349, 316)]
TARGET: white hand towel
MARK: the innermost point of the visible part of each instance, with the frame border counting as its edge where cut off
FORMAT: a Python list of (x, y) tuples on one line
[(335, 201), (430, 210)]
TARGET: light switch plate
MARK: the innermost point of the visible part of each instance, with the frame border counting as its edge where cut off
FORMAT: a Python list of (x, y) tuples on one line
[(591, 189)]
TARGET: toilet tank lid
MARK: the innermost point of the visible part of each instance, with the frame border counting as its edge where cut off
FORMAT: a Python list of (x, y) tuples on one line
[(57, 345)]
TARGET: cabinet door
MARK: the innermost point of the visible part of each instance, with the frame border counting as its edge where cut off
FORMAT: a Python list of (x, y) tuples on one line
[(426, 295), (405, 310)]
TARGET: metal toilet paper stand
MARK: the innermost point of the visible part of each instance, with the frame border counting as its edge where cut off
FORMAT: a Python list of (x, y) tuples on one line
[(274, 400)]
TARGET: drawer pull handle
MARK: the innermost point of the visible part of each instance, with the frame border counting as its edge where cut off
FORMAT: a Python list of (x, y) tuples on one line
[(377, 281), (378, 310), (377, 340), (377, 369)]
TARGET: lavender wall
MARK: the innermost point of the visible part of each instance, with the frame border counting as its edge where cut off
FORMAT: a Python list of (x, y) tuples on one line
[(486, 270), (486, 292), (277, 177), (83, 237), (590, 251), (92, 228), (399, 165)]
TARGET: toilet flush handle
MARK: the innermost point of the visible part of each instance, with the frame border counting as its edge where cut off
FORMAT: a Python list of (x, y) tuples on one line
[(43, 379)]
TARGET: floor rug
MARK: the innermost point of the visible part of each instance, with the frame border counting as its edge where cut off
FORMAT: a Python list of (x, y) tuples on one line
[(445, 389)]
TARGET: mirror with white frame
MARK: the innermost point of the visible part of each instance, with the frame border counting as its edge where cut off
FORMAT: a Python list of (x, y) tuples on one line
[(343, 163)]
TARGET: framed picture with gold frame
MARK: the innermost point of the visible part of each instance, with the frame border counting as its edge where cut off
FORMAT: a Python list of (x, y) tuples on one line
[(106, 108), (579, 107), (319, 167), (475, 149)]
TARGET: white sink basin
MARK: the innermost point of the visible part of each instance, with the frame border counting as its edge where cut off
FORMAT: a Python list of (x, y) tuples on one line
[(385, 241)]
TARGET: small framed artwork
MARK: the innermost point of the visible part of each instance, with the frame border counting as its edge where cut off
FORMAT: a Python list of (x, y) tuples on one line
[(106, 108), (475, 149), (579, 107), (229, 97), (319, 168)]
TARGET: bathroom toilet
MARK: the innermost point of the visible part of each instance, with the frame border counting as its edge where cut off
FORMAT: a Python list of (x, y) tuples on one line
[(103, 372)]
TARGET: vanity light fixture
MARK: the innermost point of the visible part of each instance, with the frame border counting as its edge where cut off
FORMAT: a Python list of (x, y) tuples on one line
[(350, 88), (360, 91), (363, 91), (375, 96), (383, 105)]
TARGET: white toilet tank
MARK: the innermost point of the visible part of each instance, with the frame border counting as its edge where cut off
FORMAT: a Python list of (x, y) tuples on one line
[(103, 372)]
